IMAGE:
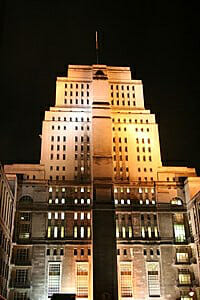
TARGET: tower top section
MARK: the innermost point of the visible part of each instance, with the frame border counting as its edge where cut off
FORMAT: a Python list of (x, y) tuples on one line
[(87, 73)]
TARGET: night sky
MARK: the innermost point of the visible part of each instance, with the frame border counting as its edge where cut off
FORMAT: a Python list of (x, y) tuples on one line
[(158, 40)]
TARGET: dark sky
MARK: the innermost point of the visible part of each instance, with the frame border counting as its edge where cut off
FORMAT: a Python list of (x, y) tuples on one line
[(159, 40)]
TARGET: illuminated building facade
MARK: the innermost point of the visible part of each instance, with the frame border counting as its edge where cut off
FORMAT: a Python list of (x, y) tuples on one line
[(100, 216), (7, 211)]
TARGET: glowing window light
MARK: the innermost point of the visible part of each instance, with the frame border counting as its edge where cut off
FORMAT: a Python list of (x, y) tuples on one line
[(75, 231), (49, 232), (55, 231), (116, 201), (62, 232), (82, 215), (56, 215), (140, 190), (50, 201), (49, 215), (62, 215), (88, 215), (50, 189), (75, 216), (88, 232), (117, 231), (123, 231), (147, 201), (128, 201), (143, 231), (122, 201), (63, 200), (88, 201), (82, 189), (141, 202), (130, 232), (82, 232), (156, 231), (149, 231), (82, 201), (56, 201)]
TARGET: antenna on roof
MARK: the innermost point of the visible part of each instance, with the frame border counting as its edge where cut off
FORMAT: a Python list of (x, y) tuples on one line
[(97, 48)]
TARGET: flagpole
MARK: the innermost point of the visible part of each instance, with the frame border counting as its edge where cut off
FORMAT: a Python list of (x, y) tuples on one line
[(97, 48)]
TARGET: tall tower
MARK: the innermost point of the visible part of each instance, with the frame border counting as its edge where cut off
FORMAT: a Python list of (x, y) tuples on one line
[(100, 217)]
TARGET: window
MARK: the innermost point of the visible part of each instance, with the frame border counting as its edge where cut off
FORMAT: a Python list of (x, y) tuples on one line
[(82, 279), (182, 257), (184, 277), (126, 280), (75, 232), (153, 279), (53, 278), (21, 276), (179, 233)]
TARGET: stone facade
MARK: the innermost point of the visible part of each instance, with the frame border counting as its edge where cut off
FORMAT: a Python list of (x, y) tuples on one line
[(100, 217)]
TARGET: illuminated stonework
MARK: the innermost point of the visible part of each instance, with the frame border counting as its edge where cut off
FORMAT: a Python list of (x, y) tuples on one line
[(100, 179)]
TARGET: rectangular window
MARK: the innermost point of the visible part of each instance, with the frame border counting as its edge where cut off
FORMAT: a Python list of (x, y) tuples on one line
[(153, 279), (82, 279), (179, 233), (184, 277), (53, 278), (182, 257), (126, 288), (21, 276)]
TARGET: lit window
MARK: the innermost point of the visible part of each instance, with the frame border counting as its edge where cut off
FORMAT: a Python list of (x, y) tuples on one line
[(141, 201), (88, 215), (82, 201), (49, 232), (156, 231), (75, 231), (63, 200), (50, 189), (82, 215), (147, 201), (128, 190), (88, 201), (82, 189), (49, 215), (55, 231), (184, 277), (126, 288), (123, 231), (62, 232), (82, 232), (182, 257), (140, 190), (116, 201), (128, 201), (179, 233), (143, 231), (75, 216), (149, 231), (62, 215), (88, 232), (82, 280), (56, 200), (75, 201), (153, 279), (56, 215), (117, 231), (130, 232), (53, 278), (153, 202), (122, 201)]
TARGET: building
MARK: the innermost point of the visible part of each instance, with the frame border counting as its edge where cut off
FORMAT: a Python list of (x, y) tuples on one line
[(7, 212), (100, 217)]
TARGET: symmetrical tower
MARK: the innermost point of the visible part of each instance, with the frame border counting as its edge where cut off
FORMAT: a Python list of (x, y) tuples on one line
[(100, 216)]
